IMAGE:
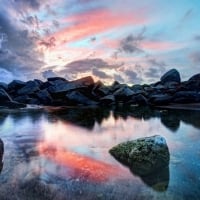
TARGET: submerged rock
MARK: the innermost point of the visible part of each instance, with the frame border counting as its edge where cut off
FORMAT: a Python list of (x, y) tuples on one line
[(144, 156)]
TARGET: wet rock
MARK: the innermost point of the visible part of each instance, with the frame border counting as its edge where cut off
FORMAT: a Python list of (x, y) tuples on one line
[(1, 154), (75, 97), (144, 156), (13, 105), (16, 84), (3, 86), (196, 77), (44, 97), (30, 88), (171, 76), (141, 100), (123, 94), (22, 99), (107, 100), (160, 99), (186, 97), (56, 79), (4, 97), (60, 90)]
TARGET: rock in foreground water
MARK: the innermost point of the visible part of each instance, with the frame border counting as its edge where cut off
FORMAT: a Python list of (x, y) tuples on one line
[(144, 156)]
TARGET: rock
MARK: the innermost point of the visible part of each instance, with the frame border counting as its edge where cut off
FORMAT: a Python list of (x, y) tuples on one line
[(16, 85), (3, 86), (160, 99), (1, 154), (30, 88), (13, 105), (22, 99), (101, 91), (61, 89), (4, 97), (123, 94), (44, 97), (107, 100), (196, 77), (186, 97), (140, 100), (144, 156), (56, 79), (75, 97), (171, 76)]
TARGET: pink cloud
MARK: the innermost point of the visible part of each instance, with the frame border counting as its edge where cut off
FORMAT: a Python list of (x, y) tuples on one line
[(95, 22)]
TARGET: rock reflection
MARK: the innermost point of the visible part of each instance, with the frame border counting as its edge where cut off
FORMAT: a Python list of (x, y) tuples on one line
[(158, 180), (1, 154), (87, 117)]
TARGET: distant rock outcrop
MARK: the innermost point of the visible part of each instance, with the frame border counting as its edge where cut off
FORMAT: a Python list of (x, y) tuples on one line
[(58, 91)]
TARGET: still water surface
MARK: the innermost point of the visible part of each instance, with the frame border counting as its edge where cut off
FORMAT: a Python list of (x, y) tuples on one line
[(63, 154)]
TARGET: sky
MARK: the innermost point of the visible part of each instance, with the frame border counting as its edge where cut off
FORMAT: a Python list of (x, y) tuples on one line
[(129, 41)]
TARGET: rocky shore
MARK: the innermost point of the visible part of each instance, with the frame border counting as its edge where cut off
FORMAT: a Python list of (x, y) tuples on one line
[(58, 91)]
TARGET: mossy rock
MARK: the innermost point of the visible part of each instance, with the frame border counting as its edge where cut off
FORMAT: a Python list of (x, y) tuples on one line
[(144, 156)]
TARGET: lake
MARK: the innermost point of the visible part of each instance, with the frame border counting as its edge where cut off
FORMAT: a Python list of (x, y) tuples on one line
[(62, 153)]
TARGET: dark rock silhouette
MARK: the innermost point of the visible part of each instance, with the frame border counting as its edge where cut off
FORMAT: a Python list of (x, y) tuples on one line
[(57, 91), (1, 154)]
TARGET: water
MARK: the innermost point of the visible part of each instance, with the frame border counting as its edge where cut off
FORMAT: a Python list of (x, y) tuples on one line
[(63, 154)]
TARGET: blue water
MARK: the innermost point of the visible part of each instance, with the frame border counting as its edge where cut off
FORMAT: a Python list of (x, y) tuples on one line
[(63, 153)]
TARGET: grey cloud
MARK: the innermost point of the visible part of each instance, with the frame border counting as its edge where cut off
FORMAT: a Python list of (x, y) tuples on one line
[(86, 65), (131, 43), (33, 4), (49, 73), (118, 78), (133, 77), (154, 72), (156, 62), (195, 57), (100, 74)]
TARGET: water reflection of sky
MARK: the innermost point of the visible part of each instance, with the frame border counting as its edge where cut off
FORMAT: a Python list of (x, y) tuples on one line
[(51, 148)]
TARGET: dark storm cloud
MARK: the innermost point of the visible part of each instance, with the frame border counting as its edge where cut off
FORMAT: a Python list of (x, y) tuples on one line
[(100, 73), (18, 54)]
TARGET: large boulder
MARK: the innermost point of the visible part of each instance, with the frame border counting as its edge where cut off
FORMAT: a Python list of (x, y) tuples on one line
[(3, 86), (75, 97), (144, 156), (186, 97), (16, 85), (123, 94), (171, 76), (30, 88), (4, 97), (44, 97), (107, 100), (1, 154), (160, 99), (61, 89)]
